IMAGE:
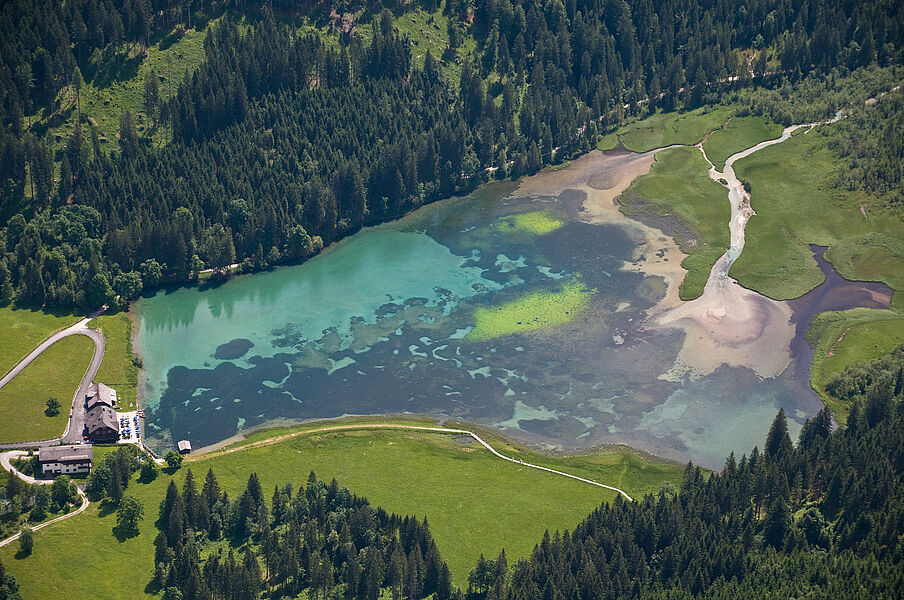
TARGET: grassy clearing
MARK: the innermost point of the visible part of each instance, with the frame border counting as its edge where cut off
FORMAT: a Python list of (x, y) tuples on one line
[(57, 372), (427, 31), (740, 133), (531, 312), (537, 223), (475, 502), (117, 369), (119, 85), (841, 339), (22, 330), (678, 191), (796, 205), (665, 129)]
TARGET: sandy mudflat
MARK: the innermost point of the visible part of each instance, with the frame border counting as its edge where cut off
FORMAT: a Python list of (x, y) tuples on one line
[(603, 176), (728, 324)]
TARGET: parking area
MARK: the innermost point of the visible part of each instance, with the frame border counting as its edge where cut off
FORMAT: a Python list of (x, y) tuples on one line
[(129, 427)]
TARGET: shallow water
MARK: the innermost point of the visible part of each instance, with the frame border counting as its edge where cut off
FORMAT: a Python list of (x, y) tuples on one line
[(382, 323)]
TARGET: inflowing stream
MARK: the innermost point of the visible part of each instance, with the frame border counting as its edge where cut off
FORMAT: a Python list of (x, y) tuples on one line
[(526, 309)]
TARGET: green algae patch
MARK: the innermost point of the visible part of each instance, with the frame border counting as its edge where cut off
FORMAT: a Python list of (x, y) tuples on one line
[(537, 223), (537, 310)]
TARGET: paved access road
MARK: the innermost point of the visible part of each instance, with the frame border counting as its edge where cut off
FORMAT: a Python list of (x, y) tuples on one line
[(5, 462), (76, 424)]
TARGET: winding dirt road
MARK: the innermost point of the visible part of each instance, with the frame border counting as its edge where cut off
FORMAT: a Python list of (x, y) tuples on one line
[(76, 423), (328, 428)]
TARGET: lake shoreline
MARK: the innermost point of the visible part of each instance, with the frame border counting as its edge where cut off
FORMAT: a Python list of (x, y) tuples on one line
[(600, 178)]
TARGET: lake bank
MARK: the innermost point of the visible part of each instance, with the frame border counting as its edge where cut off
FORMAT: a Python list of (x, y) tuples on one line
[(382, 323)]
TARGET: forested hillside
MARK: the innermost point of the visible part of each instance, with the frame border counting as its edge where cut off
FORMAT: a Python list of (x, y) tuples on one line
[(320, 539), (822, 519), (283, 141)]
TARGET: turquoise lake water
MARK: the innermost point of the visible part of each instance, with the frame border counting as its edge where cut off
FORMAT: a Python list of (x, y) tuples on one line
[(379, 324)]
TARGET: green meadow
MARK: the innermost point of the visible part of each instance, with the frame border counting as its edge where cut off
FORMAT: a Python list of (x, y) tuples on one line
[(841, 339), (678, 190), (116, 83), (118, 370), (796, 205), (22, 329), (57, 373), (663, 129), (474, 501), (739, 134)]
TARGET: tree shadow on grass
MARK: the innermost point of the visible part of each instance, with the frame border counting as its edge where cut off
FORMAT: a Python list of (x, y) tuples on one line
[(21, 554), (123, 533), (107, 508), (152, 587), (119, 68), (146, 478)]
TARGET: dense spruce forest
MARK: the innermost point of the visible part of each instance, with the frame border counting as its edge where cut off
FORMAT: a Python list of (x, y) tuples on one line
[(282, 141), (822, 519), (320, 538)]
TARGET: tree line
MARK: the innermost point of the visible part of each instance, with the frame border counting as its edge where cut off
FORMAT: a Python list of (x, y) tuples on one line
[(319, 539), (870, 141), (282, 143)]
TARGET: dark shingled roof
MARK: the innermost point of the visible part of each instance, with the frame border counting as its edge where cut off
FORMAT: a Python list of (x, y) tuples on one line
[(98, 393), (100, 417), (53, 454)]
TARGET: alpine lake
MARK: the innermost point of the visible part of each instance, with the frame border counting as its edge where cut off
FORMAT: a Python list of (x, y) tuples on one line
[(500, 308)]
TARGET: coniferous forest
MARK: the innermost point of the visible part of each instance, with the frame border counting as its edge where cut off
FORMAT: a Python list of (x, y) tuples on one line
[(281, 142), (320, 538)]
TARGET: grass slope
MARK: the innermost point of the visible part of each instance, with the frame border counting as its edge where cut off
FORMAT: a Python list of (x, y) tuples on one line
[(118, 85), (117, 369), (21, 330), (474, 502), (739, 134), (665, 129), (677, 189), (57, 372), (841, 339), (796, 205)]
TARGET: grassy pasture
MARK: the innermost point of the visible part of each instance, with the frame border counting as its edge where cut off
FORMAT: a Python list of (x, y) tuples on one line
[(57, 372), (21, 330), (474, 502)]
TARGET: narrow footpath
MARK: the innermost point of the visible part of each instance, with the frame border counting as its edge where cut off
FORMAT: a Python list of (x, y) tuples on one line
[(373, 426)]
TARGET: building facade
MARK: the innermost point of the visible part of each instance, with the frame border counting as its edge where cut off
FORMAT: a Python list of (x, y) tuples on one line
[(66, 460)]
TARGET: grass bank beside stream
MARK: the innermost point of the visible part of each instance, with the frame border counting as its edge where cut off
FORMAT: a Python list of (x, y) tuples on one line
[(678, 196)]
